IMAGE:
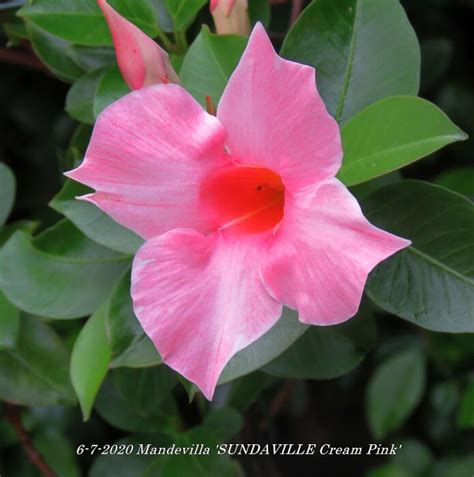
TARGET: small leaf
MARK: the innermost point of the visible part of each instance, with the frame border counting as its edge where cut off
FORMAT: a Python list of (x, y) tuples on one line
[(394, 391), (92, 222), (7, 192), (392, 133), (363, 51), (35, 372), (80, 97), (60, 273), (209, 62), (138, 400), (430, 283), (273, 343), (111, 87), (90, 360), (52, 51), (9, 323), (326, 352)]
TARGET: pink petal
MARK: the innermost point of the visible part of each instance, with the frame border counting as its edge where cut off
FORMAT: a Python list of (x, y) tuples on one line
[(322, 253), (140, 59), (200, 299), (148, 155), (275, 117)]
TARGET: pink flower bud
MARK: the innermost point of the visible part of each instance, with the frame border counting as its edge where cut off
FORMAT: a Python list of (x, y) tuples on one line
[(231, 16), (141, 60)]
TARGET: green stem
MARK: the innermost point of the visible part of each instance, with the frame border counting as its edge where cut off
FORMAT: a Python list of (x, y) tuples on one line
[(165, 40), (181, 42)]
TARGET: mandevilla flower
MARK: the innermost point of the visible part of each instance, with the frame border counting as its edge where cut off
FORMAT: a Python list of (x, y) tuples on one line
[(230, 16), (140, 59), (241, 213)]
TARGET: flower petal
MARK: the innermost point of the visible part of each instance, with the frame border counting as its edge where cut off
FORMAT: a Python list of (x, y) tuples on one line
[(200, 300), (148, 155), (141, 60), (275, 117), (322, 253)]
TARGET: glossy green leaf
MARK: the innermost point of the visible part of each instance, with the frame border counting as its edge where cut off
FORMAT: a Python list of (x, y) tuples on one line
[(60, 273), (394, 391), (111, 87), (90, 360), (326, 352), (460, 180), (35, 372), (9, 323), (183, 12), (130, 346), (210, 61), (7, 192), (52, 51), (82, 22), (466, 409), (138, 400), (92, 222), (392, 133), (279, 338), (430, 283), (91, 58), (363, 51), (80, 98)]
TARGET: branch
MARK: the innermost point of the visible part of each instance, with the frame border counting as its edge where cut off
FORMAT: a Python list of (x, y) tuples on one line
[(13, 417)]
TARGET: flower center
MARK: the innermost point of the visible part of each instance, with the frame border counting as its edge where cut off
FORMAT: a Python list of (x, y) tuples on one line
[(248, 199)]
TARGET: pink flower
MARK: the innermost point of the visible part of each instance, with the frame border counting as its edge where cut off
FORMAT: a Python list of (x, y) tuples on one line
[(242, 212), (141, 60), (230, 16)]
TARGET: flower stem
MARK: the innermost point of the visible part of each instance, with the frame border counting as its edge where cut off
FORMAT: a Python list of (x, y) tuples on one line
[(181, 41), (165, 40)]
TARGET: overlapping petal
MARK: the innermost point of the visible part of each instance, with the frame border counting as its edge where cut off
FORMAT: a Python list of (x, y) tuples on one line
[(148, 155), (322, 253), (275, 117), (200, 299)]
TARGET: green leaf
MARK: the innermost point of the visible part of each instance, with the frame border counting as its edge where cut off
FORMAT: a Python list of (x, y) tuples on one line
[(58, 452), (91, 58), (7, 192), (245, 390), (9, 323), (138, 400), (111, 87), (80, 97), (224, 423), (413, 456), (60, 273), (27, 226), (82, 22), (92, 222), (52, 51), (393, 133), (326, 352), (363, 51), (35, 372), (90, 360), (273, 343), (394, 391), (466, 409), (130, 346), (209, 62), (430, 283), (460, 180), (183, 12)]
